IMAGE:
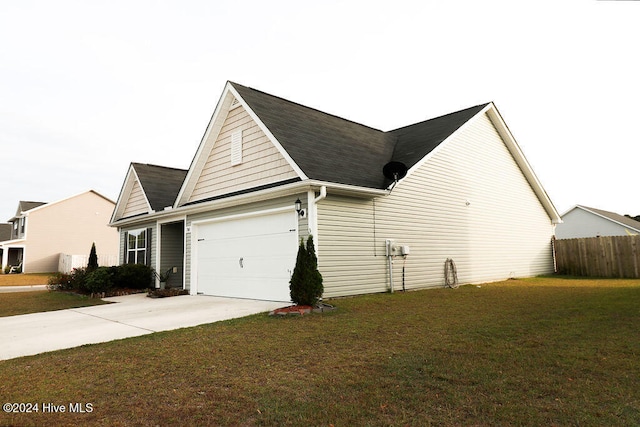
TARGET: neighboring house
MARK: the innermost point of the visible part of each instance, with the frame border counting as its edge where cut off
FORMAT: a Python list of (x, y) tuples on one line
[(230, 227), (582, 221), (41, 232), (5, 232)]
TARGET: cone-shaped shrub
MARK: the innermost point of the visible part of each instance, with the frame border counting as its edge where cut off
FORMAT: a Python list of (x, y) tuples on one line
[(315, 278), (306, 281), (93, 259)]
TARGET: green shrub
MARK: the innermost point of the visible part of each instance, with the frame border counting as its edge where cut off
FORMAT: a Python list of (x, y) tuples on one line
[(306, 286), (60, 282), (79, 279), (134, 276), (100, 280), (103, 279)]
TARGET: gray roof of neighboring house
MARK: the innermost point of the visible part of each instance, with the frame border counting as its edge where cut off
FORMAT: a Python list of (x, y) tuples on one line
[(333, 149), (5, 232), (160, 184), (629, 222), (24, 206)]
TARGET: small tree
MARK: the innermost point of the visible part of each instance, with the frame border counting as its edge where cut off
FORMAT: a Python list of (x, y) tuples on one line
[(93, 259), (306, 281), (316, 288), (298, 278)]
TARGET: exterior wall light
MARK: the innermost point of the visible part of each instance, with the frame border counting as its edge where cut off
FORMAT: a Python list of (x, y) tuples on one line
[(299, 209)]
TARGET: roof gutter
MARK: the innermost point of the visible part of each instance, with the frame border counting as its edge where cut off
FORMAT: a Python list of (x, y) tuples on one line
[(256, 196)]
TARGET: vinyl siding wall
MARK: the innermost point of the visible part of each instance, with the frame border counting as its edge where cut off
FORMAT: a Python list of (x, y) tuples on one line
[(468, 202), (239, 210), (137, 203), (261, 163)]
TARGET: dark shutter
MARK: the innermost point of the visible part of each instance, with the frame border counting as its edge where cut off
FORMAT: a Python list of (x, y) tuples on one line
[(125, 255), (148, 248)]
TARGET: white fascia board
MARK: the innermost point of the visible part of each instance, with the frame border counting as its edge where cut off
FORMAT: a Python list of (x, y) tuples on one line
[(8, 243), (267, 132), (146, 199), (504, 132), (198, 161), (433, 152), (571, 209), (255, 196), (211, 135), (125, 193), (521, 160), (121, 195), (584, 208), (46, 205)]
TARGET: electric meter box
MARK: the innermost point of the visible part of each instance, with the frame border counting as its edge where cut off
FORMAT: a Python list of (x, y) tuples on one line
[(395, 249)]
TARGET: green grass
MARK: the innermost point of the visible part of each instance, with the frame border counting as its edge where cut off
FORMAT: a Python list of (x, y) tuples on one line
[(14, 303), (543, 351)]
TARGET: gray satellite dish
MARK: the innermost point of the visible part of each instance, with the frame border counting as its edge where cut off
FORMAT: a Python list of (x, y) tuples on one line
[(395, 171)]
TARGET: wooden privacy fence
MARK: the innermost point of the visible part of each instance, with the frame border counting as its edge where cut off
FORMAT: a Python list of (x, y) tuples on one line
[(607, 256)]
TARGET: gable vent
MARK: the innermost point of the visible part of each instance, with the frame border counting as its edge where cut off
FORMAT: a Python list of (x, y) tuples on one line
[(236, 148), (235, 103)]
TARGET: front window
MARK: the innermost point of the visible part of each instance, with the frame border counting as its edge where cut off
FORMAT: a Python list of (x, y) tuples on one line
[(137, 247)]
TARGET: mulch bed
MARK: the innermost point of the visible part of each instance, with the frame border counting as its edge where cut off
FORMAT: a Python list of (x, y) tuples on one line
[(301, 310), (167, 292)]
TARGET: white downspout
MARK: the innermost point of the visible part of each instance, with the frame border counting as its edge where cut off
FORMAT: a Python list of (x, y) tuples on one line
[(313, 210), (313, 215), (323, 194)]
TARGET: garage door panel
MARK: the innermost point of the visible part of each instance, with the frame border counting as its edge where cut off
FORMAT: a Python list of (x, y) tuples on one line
[(248, 258)]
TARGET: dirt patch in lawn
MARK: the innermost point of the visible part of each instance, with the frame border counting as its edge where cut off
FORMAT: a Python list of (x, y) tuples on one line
[(23, 279), (301, 310)]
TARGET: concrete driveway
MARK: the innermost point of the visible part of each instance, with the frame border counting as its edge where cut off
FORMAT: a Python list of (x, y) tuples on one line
[(129, 316)]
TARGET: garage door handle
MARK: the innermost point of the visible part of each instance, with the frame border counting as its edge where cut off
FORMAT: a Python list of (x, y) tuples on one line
[(241, 262)]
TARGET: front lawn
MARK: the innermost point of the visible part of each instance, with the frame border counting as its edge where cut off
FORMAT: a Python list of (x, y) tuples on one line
[(14, 303), (24, 279), (544, 351)]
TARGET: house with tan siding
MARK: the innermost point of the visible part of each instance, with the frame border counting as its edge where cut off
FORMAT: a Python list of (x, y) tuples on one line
[(42, 232), (386, 209)]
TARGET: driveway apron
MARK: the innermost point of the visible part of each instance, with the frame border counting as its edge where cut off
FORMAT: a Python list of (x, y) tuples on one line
[(128, 316)]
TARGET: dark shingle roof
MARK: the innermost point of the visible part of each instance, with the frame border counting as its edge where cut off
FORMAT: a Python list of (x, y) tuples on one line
[(24, 206), (160, 184), (5, 232), (417, 140), (324, 146), (333, 149)]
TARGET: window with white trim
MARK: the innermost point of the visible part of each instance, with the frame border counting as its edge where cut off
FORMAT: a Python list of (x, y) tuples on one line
[(236, 148), (137, 246)]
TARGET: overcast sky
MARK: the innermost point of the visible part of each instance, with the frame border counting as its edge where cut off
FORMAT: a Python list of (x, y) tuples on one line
[(86, 87)]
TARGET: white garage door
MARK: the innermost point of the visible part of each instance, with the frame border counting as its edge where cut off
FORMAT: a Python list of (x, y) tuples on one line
[(248, 258)]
